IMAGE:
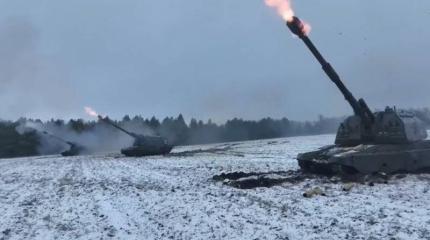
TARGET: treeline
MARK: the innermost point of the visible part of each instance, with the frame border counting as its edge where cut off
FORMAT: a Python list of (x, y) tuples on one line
[(179, 132), (175, 129), (14, 141), (14, 144)]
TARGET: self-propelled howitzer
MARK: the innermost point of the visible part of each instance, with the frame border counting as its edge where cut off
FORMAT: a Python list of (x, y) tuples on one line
[(74, 148), (367, 142), (142, 145)]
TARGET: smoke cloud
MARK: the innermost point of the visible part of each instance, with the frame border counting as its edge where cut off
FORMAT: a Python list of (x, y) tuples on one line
[(101, 138), (31, 83)]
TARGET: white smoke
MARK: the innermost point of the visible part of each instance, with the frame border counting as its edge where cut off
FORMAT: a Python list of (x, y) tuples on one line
[(100, 138), (33, 83)]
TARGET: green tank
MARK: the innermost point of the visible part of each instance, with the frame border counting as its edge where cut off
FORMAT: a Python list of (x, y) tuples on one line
[(142, 145), (74, 148), (388, 141)]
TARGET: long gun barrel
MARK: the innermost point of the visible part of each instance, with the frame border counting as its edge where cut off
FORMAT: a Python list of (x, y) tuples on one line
[(107, 120), (58, 138), (359, 107)]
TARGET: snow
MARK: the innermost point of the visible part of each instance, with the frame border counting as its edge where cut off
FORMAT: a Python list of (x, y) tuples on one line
[(107, 196)]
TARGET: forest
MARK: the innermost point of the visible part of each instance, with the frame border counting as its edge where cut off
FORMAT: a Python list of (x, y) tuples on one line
[(15, 143)]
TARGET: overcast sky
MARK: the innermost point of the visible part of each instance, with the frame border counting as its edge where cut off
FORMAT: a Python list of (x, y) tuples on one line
[(214, 59)]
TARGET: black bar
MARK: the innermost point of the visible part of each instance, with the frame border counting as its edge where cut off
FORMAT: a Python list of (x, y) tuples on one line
[(57, 138), (297, 27), (107, 120)]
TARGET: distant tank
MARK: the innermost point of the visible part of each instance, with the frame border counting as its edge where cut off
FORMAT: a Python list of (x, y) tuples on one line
[(388, 141), (143, 145), (74, 148)]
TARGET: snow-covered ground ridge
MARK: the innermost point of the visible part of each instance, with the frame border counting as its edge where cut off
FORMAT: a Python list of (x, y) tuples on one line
[(174, 197)]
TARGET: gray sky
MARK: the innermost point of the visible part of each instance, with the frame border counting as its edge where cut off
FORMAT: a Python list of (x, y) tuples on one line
[(208, 59)]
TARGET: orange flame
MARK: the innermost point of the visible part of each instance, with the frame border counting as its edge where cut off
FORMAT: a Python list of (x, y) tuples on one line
[(91, 112), (283, 7), (285, 10)]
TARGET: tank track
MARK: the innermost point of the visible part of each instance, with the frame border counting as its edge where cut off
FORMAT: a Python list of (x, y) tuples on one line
[(325, 168)]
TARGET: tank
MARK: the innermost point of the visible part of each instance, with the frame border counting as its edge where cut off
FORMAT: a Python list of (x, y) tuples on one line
[(74, 148), (143, 145), (388, 141)]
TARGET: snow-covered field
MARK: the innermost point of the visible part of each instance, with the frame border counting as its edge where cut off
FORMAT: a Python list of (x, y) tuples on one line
[(174, 197)]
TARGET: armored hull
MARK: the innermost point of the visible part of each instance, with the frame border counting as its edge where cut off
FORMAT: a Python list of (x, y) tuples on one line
[(74, 150), (140, 151), (368, 158), (70, 152)]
